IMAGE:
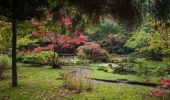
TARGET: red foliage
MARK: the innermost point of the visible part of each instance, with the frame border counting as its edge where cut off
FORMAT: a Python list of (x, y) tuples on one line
[(92, 50), (63, 41), (94, 54), (35, 34), (49, 47), (90, 46), (24, 51), (156, 93), (51, 37), (148, 81), (67, 46), (164, 84), (66, 21), (38, 50), (83, 37), (36, 23)]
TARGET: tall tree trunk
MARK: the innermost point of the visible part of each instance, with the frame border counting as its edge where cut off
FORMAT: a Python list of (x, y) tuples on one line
[(54, 65), (14, 38), (55, 60), (14, 66)]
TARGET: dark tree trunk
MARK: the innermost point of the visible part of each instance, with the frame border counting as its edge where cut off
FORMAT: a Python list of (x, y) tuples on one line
[(55, 60), (14, 66), (14, 39), (53, 65)]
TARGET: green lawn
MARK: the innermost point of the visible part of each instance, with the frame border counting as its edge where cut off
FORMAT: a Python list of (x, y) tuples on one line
[(109, 76), (40, 83)]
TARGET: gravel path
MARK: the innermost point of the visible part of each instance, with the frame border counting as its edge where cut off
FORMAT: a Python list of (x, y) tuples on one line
[(77, 71)]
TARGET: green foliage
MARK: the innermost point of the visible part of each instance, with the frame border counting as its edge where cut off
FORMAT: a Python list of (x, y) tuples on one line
[(4, 63), (105, 69), (139, 39), (159, 42), (161, 10), (110, 27), (153, 36), (25, 41), (142, 67), (152, 43), (167, 62), (110, 35), (75, 60), (5, 34), (81, 53), (130, 77), (114, 58), (44, 57), (127, 66), (114, 43), (158, 9), (44, 85), (105, 28), (79, 61), (155, 68)]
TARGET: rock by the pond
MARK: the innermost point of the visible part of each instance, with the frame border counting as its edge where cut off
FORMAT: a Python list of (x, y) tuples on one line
[(112, 65)]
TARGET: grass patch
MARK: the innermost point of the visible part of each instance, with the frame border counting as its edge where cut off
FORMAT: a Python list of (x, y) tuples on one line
[(109, 76), (39, 83)]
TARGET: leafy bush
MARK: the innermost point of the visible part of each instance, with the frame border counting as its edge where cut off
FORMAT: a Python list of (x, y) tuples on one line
[(125, 68), (129, 60), (44, 57), (142, 67), (111, 36), (114, 43), (105, 69), (114, 58), (79, 61), (4, 63), (106, 27), (93, 51), (152, 68), (167, 62), (20, 57)]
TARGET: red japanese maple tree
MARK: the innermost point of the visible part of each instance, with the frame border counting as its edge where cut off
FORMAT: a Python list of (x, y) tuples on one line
[(63, 41)]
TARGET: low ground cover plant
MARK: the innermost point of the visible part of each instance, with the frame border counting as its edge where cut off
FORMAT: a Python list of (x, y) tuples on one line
[(144, 67), (44, 57), (4, 64), (105, 69), (161, 91)]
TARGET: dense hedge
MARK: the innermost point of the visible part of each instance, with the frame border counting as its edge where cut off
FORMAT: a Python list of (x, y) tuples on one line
[(93, 51), (43, 58)]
